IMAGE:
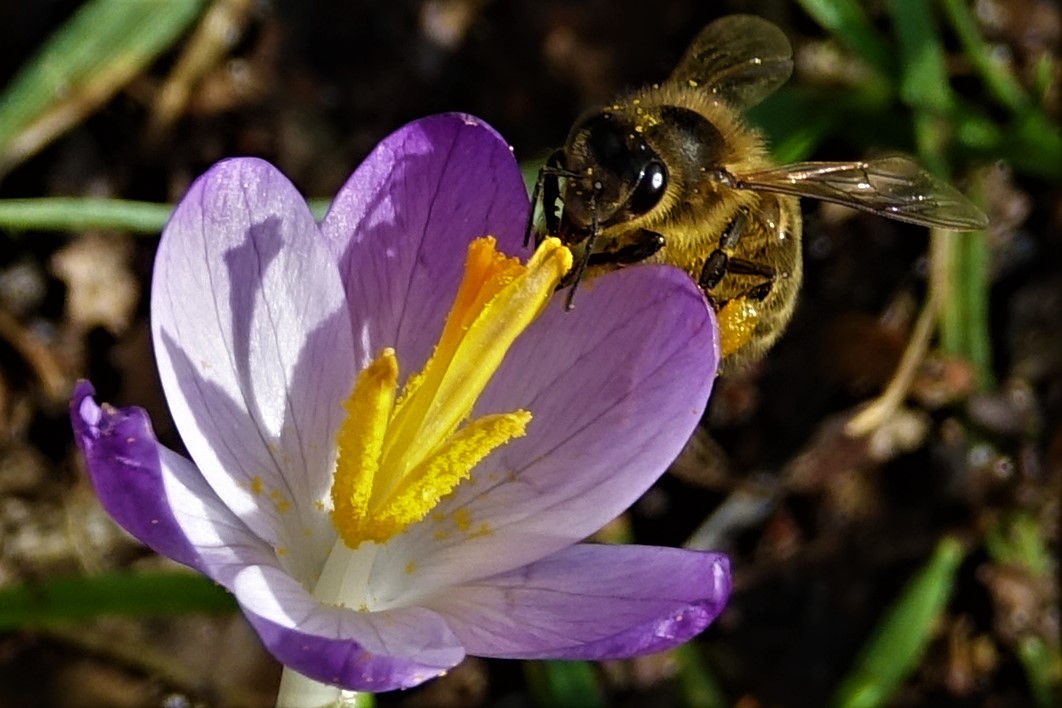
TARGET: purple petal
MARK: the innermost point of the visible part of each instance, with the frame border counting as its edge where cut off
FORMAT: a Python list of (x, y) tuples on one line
[(401, 226), (254, 347), (362, 651), (590, 602), (123, 462), (615, 388), (158, 496)]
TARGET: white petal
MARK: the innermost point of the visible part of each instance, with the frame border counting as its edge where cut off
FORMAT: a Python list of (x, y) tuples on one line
[(253, 341)]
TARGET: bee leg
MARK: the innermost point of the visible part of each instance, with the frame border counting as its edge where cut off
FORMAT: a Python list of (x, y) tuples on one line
[(738, 316), (577, 274), (646, 244), (714, 269), (760, 292), (547, 189), (740, 266), (536, 194), (718, 262)]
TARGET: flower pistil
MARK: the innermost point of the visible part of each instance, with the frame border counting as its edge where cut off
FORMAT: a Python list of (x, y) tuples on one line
[(401, 453)]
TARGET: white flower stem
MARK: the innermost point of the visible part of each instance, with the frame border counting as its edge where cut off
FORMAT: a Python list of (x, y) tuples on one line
[(298, 691)]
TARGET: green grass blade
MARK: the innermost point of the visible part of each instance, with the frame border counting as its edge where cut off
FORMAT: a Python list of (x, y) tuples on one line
[(1000, 82), (92, 56), (798, 119), (1017, 541), (924, 76), (848, 22), (1043, 76), (71, 599), (556, 684), (80, 213), (923, 79), (897, 643), (76, 214), (1034, 145), (795, 140), (1043, 669), (697, 685), (924, 85), (973, 279)]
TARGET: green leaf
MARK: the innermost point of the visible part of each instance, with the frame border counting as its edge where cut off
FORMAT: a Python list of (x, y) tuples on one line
[(91, 57), (71, 599), (897, 643)]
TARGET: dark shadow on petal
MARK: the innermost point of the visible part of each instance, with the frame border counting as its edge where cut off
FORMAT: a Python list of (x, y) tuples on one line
[(227, 430), (264, 242), (401, 225)]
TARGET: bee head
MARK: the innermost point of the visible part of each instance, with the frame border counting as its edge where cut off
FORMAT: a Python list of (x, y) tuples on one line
[(614, 175)]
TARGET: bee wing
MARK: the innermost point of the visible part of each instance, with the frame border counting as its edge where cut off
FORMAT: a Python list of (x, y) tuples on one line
[(894, 187), (741, 59)]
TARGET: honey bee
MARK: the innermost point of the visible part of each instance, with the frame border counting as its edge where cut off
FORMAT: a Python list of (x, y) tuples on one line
[(671, 174)]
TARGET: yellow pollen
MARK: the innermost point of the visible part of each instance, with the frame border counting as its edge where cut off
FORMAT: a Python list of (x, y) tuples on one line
[(737, 323), (400, 453)]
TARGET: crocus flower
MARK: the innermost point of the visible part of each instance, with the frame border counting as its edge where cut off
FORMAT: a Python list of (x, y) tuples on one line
[(391, 460)]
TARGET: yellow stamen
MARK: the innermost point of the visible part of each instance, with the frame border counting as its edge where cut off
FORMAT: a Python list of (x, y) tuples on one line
[(440, 473), (396, 461), (361, 437)]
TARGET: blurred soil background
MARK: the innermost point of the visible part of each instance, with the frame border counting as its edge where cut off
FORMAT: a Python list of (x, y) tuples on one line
[(826, 530)]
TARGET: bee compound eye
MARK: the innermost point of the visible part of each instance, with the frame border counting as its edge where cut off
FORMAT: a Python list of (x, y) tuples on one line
[(652, 184)]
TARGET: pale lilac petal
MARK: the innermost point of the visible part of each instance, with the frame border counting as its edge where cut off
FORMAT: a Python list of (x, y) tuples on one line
[(590, 602), (254, 346), (608, 418), (364, 651), (401, 225)]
